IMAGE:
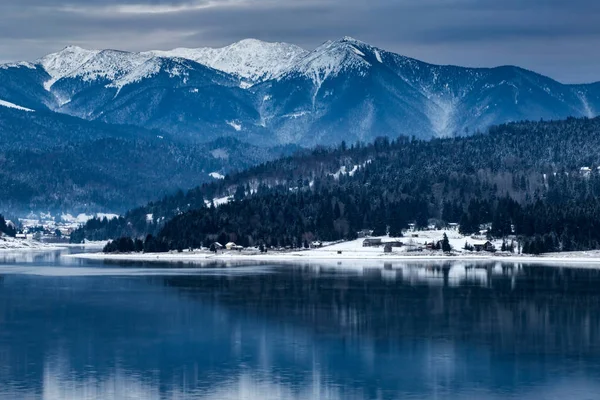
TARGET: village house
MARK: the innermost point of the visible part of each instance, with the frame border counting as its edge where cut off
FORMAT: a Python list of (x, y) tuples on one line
[(217, 246), (233, 246), (484, 246), (372, 242), (394, 243)]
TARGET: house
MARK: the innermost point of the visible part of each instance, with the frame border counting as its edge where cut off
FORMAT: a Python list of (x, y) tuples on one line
[(453, 226), (21, 236), (316, 244), (410, 248), (387, 248), (395, 243), (233, 246), (484, 246), (372, 242), (216, 246)]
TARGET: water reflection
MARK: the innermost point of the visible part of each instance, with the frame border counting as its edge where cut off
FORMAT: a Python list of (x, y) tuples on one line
[(314, 331)]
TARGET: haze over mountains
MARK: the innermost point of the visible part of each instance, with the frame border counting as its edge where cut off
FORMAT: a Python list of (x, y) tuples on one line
[(192, 113)]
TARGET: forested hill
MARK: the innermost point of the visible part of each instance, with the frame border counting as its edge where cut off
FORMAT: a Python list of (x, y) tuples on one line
[(524, 174)]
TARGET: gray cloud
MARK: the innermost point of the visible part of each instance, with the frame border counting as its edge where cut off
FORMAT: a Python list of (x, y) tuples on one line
[(553, 37)]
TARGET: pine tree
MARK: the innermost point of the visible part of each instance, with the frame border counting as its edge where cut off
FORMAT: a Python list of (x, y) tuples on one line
[(446, 244)]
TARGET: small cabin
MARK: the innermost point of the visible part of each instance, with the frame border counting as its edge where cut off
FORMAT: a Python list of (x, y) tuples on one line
[(395, 243), (484, 246), (316, 244), (387, 248), (372, 242), (232, 246)]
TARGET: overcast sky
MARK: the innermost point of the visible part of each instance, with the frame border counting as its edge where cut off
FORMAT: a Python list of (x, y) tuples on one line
[(559, 38)]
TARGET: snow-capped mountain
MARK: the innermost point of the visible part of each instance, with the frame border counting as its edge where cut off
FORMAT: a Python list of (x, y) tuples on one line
[(349, 90), (277, 93), (250, 59)]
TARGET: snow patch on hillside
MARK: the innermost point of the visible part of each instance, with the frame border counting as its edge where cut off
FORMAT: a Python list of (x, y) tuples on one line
[(378, 56), (216, 175), (16, 107), (587, 108), (235, 125), (221, 154), (441, 113), (83, 218), (350, 172)]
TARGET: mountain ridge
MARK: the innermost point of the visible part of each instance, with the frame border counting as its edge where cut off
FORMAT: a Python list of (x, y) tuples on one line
[(278, 93)]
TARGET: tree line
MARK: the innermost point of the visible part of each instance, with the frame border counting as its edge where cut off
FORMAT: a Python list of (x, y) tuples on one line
[(523, 179)]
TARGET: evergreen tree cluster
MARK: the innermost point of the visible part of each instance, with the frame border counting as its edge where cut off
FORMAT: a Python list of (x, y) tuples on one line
[(7, 229), (522, 179)]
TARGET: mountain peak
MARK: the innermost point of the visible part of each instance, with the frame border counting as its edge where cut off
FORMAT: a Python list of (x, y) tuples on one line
[(350, 39), (249, 59), (330, 59), (73, 48)]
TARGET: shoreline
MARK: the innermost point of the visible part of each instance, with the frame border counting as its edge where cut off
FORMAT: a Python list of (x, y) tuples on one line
[(567, 258)]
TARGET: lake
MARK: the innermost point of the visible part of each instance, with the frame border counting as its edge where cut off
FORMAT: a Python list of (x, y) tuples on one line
[(75, 329)]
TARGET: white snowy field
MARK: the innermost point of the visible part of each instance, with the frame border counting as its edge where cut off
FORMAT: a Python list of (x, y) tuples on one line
[(11, 244), (354, 250)]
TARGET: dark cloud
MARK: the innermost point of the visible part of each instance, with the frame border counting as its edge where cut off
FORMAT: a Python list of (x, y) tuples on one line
[(554, 37)]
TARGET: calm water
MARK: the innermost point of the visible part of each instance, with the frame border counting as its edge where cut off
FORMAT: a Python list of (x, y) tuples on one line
[(84, 330)]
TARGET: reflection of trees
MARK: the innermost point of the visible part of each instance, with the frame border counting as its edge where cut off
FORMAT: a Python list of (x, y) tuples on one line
[(532, 309), (360, 330)]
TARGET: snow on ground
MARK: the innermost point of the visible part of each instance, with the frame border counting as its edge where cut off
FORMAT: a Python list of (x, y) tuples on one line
[(7, 104), (352, 254), (235, 125), (8, 243), (344, 170), (216, 175), (219, 201), (83, 218), (378, 56)]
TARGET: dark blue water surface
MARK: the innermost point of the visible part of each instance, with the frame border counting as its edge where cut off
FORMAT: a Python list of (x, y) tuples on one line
[(89, 330)]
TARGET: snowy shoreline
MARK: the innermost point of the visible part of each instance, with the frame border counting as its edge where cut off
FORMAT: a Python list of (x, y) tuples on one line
[(353, 251), (332, 256)]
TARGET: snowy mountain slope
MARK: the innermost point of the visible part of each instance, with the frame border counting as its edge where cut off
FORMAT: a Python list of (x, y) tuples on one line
[(22, 84), (250, 59), (339, 93), (64, 63), (179, 96), (8, 104), (322, 94), (278, 93)]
